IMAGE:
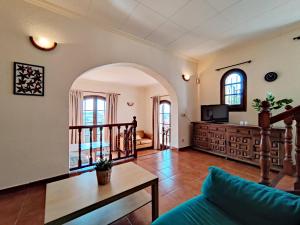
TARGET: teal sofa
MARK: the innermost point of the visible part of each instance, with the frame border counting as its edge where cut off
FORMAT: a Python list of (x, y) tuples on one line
[(231, 200)]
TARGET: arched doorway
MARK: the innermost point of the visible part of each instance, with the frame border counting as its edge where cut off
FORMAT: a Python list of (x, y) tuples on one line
[(106, 73)]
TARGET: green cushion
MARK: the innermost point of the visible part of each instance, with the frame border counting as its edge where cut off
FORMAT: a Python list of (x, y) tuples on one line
[(196, 211), (250, 203)]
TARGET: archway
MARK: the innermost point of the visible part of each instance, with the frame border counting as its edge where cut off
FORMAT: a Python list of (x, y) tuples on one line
[(96, 71)]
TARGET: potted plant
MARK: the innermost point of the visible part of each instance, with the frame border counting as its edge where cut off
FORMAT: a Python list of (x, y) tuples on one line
[(274, 105), (103, 171)]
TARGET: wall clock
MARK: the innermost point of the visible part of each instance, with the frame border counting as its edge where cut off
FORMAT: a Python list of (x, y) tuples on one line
[(271, 76)]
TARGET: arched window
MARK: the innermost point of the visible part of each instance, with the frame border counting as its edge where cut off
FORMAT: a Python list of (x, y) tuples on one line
[(165, 121), (93, 114), (234, 90)]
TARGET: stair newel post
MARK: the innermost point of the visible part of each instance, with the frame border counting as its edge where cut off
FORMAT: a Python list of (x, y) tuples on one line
[(134, 137), (288, 167), (265, 143), (297, 183)]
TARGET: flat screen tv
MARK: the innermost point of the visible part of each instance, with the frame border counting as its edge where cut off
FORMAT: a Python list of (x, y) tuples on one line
[(215, 113)]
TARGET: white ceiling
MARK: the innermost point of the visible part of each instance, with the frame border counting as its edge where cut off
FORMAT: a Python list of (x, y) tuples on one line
[(189, 27), (116, 74)]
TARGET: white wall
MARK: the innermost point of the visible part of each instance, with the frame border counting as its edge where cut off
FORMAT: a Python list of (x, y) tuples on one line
[(34, 130), (280, 54), (127, 94)]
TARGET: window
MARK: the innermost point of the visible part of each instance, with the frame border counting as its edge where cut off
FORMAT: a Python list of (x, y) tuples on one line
[(93, 114), (165, 120), (234, 90)]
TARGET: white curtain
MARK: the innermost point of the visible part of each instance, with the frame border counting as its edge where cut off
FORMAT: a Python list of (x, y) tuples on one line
[(155, 120), (75, 114), (111, 117)]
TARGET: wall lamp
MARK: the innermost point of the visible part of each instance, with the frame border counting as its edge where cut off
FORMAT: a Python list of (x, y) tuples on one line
[(186, 77), (42, 43)]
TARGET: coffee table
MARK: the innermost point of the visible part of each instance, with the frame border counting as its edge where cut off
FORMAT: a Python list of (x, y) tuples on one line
[(80, 200)]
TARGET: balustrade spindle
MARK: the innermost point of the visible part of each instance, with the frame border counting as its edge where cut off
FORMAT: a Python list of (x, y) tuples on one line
[(126, 140), (91, 146), (288, 167), (163, 138), (101, 147), (110, 143), (167, 139), (79, 148), (118, 142), (297, 183), (265, 143)]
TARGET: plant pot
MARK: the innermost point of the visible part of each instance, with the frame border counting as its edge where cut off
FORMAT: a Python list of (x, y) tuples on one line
[(103, 177)]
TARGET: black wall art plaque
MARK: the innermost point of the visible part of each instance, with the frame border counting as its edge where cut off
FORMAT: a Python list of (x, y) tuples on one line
[(28, 79)]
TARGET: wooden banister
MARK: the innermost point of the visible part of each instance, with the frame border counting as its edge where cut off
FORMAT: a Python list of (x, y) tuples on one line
[(99, 126), (297, 183), (288, 167), (265, 120), (282, 116), (265, 143), (107, 150)]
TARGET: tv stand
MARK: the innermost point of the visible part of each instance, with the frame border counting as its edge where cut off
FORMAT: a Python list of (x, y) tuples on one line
[(237, 142), (216, 122)]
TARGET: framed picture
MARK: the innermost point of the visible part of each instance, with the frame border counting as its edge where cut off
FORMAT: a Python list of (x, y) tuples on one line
[(28, 79)]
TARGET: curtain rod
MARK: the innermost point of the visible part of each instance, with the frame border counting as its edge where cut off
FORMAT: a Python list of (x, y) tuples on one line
[(222, 68), (160, 96), (99, 92)]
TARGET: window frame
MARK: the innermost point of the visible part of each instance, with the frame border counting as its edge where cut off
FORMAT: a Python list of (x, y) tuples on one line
[(235, 108), (169, 134), (95, 98)]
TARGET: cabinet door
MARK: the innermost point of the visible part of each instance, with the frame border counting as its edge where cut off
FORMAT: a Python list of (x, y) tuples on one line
[(239, 146), (200, 136), (276, 151), (217, 141)]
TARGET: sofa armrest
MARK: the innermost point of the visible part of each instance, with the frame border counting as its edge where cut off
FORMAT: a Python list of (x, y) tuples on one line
[(150, 136)]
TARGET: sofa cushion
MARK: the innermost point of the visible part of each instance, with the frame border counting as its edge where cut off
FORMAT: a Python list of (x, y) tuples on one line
[(196, 211), (146, 141), (138, 137), (140, 133), (251, 203)]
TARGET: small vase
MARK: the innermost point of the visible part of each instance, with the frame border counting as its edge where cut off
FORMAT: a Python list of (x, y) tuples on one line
[(103, 177)]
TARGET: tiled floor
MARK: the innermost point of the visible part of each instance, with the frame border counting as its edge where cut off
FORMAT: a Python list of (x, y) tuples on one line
[(180, 177)]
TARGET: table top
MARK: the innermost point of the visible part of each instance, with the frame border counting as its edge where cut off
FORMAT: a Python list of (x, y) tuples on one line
[(72, 197)]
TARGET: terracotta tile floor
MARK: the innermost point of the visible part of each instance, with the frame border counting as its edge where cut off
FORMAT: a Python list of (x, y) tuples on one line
[(180, 177)]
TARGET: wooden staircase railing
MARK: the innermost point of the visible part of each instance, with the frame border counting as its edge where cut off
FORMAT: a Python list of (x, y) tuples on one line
[(288, 117), (100, 146)]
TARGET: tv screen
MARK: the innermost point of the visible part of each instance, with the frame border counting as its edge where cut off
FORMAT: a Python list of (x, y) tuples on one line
[(214, 113)]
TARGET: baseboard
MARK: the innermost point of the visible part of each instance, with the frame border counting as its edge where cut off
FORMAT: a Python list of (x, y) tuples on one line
[(181, 149), (24, 186)]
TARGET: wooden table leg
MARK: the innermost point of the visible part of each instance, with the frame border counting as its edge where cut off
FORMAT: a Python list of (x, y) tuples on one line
[(155, 207)]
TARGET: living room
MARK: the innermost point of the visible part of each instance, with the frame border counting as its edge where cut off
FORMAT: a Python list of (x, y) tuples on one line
[(184, 46)]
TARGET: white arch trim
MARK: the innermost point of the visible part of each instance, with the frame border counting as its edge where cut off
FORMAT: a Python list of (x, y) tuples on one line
[(163, 82)]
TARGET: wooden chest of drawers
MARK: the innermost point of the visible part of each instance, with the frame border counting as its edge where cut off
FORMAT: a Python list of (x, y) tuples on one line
[(237, 142)]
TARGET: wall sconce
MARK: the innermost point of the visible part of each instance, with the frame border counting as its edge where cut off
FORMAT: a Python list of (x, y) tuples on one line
[(186, 77), (130, 103), (43, 43)]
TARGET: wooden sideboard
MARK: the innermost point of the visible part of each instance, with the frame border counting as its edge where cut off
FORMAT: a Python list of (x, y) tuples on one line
[(237, 142)]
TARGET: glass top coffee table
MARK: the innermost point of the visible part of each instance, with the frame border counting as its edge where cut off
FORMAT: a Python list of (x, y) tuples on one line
[(80, 200)]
